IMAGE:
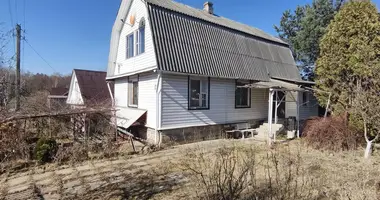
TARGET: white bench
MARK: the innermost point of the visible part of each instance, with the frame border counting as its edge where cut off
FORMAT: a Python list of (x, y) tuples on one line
[(243, 128)]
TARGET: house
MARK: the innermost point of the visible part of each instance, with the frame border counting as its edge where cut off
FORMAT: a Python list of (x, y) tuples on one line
[(88, 88), (57, 98), (191, 72)]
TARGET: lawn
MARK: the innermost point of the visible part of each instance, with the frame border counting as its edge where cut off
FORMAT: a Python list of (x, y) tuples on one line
[(219, 169)]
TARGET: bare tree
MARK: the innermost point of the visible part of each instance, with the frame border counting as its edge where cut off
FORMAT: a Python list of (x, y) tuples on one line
[(367, 109)]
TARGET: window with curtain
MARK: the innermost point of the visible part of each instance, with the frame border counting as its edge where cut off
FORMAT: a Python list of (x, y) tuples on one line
[(199, 93)]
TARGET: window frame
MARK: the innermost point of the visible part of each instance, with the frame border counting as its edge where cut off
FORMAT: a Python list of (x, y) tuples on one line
[(131, 81), (127, 49), (141, 44), (305, 103), (249, 94), (200, 87)]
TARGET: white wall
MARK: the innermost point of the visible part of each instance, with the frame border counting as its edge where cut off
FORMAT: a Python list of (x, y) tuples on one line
[(306, 110), (144, 60), (75, 96), (146, 95), (175, 111)]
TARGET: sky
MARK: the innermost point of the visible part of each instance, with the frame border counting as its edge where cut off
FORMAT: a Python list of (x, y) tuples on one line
[(68, 34)]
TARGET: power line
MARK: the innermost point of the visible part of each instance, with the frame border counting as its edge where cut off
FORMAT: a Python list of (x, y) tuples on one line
[(39, 55)]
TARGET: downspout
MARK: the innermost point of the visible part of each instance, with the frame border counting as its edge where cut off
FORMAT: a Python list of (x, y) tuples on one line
[(158, 109)]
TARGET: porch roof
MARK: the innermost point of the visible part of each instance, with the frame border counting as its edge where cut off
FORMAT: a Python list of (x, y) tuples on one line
[(276, 84)]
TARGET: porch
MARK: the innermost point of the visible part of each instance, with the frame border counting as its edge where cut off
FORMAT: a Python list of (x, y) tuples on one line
[(286, 100)]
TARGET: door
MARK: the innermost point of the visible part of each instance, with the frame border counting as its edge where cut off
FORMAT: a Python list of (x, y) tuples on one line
[(281, 108)]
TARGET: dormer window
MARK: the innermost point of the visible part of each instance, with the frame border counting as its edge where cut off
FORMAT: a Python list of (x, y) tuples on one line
[(136, 41), (140, 38), (129, 46)]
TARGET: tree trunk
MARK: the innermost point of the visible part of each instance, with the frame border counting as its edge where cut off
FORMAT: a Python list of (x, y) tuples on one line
[(368, 150)]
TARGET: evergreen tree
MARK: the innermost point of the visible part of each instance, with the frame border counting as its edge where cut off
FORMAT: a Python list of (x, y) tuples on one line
[(349, 54), (303, 30)]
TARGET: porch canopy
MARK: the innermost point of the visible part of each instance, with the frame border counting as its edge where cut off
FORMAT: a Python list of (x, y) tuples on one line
[(286, 86)]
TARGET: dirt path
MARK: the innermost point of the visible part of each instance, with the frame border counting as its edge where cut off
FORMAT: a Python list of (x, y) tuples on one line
[(140, 176)]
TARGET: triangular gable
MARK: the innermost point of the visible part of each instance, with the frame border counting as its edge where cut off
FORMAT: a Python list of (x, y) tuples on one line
[(75, 96)]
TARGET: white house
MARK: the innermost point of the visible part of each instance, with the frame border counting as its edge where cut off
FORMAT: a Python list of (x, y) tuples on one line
[(186, 68)]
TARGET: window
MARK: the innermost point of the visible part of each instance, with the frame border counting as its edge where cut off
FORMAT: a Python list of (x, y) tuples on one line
[(133, 91), (140, 38), (242, 95), (305, 99), (199, 89), (130, 45)]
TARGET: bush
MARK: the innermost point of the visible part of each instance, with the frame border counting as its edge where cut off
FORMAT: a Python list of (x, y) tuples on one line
[(45, 150), (332, 133), (240, 173)]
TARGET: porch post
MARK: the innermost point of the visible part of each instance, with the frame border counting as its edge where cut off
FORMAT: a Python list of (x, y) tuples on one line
[(298, 114), (270, 117), (275, 109)]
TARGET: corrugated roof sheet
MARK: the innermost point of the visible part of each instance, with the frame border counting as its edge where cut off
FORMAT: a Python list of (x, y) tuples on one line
[(189, 40), (200, 14)]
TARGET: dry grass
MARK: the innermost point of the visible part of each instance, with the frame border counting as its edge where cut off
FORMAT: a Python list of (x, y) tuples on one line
[(289, 171)]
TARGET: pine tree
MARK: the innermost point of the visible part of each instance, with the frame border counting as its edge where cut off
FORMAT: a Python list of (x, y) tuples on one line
[(349, 53)]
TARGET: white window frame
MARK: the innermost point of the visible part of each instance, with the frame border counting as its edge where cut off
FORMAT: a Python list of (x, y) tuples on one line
[(204, 95), (131, 81), (137, 42), (128, 49), (243, 82)]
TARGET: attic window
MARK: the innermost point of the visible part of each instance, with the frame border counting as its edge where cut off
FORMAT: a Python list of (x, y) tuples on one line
[(140, 38), (129, 49)]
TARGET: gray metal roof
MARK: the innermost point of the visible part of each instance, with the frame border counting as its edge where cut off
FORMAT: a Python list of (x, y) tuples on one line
[(189, 40), (200, 14)]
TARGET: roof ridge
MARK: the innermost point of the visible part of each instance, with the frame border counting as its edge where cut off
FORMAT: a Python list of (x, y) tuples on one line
[(85, 70)]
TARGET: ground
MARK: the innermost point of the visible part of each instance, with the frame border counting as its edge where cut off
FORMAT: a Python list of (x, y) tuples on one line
[(158, 175)]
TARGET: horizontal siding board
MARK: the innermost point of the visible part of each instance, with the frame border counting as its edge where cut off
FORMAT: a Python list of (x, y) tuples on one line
[(146, 59), (175, 111)]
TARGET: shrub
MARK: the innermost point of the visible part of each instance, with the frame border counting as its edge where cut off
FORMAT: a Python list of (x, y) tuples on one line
[(240, 173), (45, 150), (332, 133)]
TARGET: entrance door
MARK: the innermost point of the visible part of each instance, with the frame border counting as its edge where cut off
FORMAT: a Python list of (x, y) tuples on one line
[(281, 107)]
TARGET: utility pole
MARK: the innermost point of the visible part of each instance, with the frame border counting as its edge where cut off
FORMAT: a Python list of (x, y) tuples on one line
[(18, 38)]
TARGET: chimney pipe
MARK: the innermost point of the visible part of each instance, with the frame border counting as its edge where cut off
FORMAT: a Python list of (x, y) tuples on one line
[(208, 7)]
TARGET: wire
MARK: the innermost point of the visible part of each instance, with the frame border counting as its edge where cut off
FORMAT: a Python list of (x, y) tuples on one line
[(39, 55)]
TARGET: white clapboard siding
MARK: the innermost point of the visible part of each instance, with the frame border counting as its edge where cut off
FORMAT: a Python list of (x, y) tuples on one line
[(146, 95), (144, 60), (121, 92), (305, 111), (310, 109), (175, 111), (75, 95), (290, 104)]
